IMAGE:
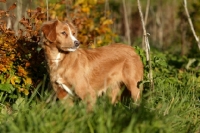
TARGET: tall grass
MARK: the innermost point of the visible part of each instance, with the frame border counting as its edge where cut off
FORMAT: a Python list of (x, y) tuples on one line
[(170, 108)]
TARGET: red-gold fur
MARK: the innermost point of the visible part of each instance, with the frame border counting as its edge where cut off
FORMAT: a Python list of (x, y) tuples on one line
[(89, 72)]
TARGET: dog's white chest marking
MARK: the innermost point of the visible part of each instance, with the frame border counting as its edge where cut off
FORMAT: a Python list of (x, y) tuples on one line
[(57, 59), (69, 91)]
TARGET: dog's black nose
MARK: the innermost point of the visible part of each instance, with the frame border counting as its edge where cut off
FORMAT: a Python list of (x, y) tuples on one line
[(76, 43)]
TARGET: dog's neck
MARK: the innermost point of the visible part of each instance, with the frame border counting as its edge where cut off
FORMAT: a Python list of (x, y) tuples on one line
[(53, 56)]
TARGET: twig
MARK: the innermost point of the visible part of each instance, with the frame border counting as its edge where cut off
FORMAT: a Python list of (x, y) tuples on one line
[(47, 3), (126, 23), (147, 12), (106, 8), (145, 19), (147, 48), (191, 24)]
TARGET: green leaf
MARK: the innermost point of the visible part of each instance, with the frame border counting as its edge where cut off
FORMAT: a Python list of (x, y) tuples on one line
[(13, 96), (7, 87), (20, 102)]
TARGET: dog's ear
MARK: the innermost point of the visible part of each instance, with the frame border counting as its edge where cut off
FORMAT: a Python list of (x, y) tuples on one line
[(49, 31)]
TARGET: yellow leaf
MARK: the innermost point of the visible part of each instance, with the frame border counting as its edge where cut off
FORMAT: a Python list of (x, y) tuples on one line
[(20, 89), (1, 40), (86, 9), (92, 45), (78, 2), (28, 81), (107, 22), (12, 56), (93, 2), (26, 92), (6, 44), (99, 41), (14, 80)]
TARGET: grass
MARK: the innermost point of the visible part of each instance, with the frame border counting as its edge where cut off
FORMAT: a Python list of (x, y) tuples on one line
[(165, 110), (172, 107), (56, 117)]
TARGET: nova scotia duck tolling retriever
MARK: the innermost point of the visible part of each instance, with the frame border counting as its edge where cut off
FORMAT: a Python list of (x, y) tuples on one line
[(87, 73)]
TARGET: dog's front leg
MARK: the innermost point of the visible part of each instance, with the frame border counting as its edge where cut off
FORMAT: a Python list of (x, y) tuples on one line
[(61, 83), (60, 92)]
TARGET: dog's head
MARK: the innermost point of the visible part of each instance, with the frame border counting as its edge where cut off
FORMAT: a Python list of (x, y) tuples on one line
[(60, 34)]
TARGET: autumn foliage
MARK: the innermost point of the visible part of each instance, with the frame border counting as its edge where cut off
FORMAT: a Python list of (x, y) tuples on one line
[(22, 64)]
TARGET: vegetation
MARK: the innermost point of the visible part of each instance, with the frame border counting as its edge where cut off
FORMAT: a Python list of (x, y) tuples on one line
[(28, 105)]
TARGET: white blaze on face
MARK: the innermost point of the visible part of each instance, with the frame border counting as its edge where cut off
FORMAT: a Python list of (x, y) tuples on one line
[(71, 35), (73, 39)]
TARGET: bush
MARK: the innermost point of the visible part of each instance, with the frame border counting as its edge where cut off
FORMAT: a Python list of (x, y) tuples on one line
[(22, 65)]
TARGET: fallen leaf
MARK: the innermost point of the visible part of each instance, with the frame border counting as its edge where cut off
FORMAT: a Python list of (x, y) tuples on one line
[(13, 6)]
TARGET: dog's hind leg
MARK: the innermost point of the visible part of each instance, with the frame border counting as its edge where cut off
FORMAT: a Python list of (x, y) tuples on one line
[(115, 93), (131, 79), (135, 92)]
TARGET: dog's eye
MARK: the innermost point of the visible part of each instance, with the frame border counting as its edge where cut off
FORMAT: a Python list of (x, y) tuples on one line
[(74, 34), (64, 33)]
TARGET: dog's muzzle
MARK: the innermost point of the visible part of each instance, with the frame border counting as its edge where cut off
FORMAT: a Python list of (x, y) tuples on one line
[(76, 45)]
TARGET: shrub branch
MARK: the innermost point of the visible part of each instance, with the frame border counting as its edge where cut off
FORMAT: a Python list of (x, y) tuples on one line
[(147, 12), (47, 3), (191, 24), (126, 23), (147, 47)]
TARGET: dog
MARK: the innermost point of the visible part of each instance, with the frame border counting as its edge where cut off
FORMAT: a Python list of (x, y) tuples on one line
[(87, 73)]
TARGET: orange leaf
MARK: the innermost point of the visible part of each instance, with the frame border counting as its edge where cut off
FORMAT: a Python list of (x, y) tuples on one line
[(4, 1), (2, 12), (24, 21), (27, 64), (39, 9), (9, 31), (41, 16), (21, 71), (12, 7)]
